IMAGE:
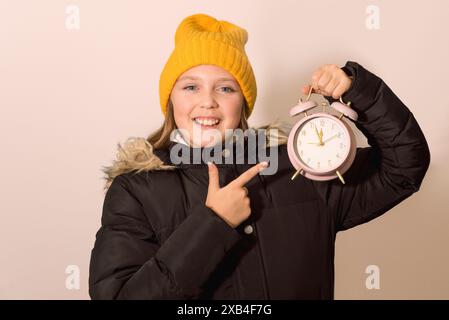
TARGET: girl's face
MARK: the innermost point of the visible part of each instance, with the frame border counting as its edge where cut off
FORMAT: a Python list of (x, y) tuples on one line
[(206, 97)]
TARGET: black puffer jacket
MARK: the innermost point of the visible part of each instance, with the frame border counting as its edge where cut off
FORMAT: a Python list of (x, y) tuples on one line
[(159, 241)]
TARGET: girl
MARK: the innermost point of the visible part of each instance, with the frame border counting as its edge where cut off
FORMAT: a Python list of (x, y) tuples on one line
[(226, 231)]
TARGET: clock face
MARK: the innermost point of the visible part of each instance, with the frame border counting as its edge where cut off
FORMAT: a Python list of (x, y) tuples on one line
[(326, 153)]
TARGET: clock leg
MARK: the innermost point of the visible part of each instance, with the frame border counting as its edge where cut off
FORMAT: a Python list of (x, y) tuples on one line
[(340, 176), (296, 173)]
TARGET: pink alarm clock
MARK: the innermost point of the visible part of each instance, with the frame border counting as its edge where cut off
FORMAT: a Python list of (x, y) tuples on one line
[(321, 146)]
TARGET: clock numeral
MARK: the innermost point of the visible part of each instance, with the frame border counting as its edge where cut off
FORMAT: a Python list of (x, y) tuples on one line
[(339, 135), (341, 145), (303, 132), (338, 155), (301, 153), (299, 142), (329, 163), (333, 126), (308, 160), (322, 123), (312, 125), (318, 164)]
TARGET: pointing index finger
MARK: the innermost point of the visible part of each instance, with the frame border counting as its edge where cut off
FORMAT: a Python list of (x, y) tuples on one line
[(246, 176)]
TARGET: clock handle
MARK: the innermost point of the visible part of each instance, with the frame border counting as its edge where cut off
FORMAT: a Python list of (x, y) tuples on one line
[(345, 109)]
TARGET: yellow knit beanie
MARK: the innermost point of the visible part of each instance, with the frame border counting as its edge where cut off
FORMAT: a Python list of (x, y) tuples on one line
[(202, 39)]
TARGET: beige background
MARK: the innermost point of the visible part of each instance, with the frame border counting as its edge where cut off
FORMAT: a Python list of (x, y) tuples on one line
[(68, 96)]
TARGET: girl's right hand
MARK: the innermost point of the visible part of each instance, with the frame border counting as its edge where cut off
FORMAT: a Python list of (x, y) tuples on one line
[(231, 202)]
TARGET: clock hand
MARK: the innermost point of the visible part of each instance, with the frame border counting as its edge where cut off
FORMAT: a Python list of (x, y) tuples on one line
[(320, 136), (330, 138)]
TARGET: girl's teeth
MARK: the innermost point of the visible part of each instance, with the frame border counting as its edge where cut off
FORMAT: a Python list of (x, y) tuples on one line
[(207, 122)]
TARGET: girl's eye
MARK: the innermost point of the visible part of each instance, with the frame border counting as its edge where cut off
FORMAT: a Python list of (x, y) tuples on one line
[(188, 87), (230, 89)]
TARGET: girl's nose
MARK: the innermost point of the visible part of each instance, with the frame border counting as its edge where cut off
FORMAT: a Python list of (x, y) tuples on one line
[(208, 101)]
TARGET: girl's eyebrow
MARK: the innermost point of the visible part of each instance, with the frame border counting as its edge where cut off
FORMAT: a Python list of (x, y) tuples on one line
[(197, 78)]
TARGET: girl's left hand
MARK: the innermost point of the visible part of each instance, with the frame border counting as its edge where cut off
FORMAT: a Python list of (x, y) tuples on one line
[(329, 80)]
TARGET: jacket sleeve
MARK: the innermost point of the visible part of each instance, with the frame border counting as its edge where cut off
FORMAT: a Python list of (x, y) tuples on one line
[(393, 166), (127, 262)]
